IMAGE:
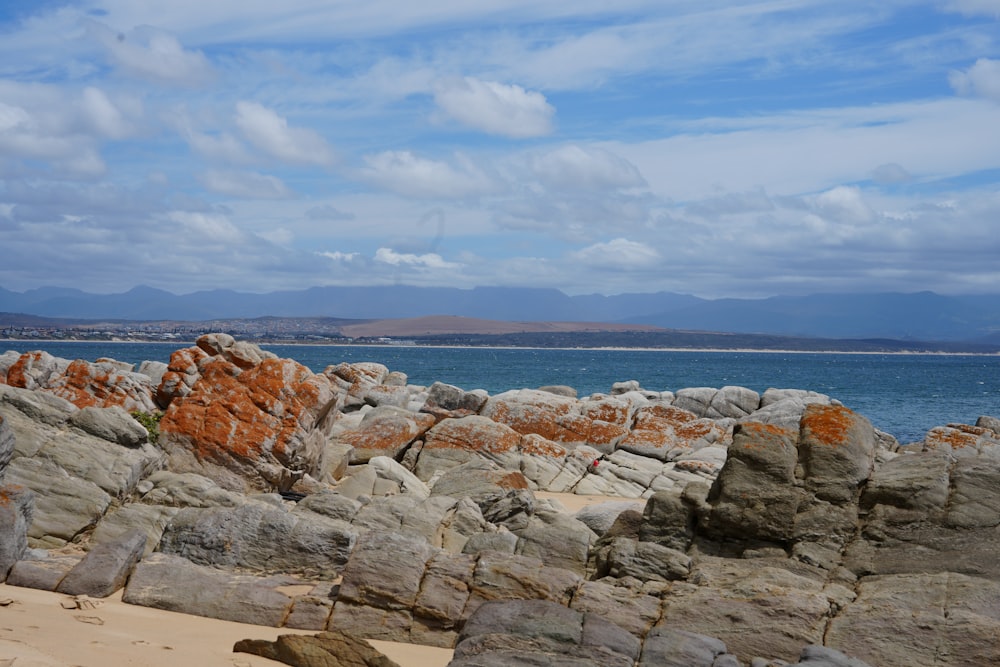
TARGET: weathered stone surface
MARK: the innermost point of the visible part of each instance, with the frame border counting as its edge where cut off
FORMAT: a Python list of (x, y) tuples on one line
[(387, 468), (261, 538), (187, 490), (666, 646), (106, 566), (784, 407), (152, 520), (258, 428), (448, 401), (6, 445), (453, 442), (394, 625), (756, 609), (921, 620), (558, 540), (113, 424), (836, 451), (732, 402), (695, 399), (666, 432), (632, 611), (41, 570), (169, 582), (16, 507), (510, 577), (353, 381), (600, 517), (65, 506), (327, 649), (645, 561), (754, 495), (523, 632), (330, 504), (668, 519), (103, 383), (599, 423), (385, 570), (384, 431)]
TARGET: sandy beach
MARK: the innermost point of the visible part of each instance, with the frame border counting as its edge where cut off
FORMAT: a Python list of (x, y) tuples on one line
[(37, 631)]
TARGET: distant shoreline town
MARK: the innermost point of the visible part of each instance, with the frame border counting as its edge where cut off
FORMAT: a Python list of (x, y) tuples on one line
[(477, 333)]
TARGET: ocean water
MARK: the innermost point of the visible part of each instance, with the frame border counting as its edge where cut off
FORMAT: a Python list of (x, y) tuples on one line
[(904, 395)]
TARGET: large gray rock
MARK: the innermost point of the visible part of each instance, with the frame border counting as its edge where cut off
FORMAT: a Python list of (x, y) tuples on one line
[(755, 496), (261, 538), (41, 570), (385, 570), (537, 632), (172, 583), (113, 424), (666, 646), (558, 540), (921, 620), (16, 506), (6, 445), (836, 451), (106, 567)]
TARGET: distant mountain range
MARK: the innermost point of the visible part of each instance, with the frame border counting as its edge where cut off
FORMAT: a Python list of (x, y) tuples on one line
[(923, 316)]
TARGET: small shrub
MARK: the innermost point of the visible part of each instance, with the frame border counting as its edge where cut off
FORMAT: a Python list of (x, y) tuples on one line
[(151, 422)]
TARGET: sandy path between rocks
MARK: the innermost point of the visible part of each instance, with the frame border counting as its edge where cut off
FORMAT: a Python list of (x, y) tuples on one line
[(36, 631)]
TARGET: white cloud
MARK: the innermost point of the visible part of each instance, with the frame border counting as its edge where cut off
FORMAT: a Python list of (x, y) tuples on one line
[(843, 203), (152, 54), (329, 212), (585, 168), (405, 173), (340, 257), (495, 108), (103, 116), (278, 236), (980, 80), (246, 185), (886, 174), (270, 133), (207, 227), (428, 260), (619, 255), (976, 7)]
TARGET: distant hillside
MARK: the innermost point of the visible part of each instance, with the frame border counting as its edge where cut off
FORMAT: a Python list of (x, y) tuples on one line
[(903, 316)]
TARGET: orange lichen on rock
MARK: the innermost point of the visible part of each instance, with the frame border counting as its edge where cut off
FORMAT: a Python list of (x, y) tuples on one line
[(828, 424), (536, 445), (949, 436)]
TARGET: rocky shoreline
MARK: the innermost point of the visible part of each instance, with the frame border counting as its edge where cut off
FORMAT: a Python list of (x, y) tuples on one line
[(739, 528)]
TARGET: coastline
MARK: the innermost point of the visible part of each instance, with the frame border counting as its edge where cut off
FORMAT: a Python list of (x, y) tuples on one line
[(699, 350)]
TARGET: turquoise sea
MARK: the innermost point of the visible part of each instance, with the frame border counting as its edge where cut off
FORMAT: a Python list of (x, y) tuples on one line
[(901, 394)]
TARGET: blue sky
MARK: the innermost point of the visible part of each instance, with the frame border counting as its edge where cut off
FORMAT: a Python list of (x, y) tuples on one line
[(712, 148)]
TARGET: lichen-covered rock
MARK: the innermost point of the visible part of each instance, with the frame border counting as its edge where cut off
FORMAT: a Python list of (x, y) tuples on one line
[(599, 423), (259, 428), (453, 442), (836, 451), (383, 431), (666, 432)]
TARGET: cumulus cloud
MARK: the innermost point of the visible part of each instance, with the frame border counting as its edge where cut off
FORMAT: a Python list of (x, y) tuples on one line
[(618, 255), (270, 133), (340, 257), (246, 185), (152, 54), (429, 260), (844, 203), (495, 108), (412, 176), (980, 80)]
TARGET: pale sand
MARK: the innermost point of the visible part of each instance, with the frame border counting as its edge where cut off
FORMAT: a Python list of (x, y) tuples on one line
[(36, 631)]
